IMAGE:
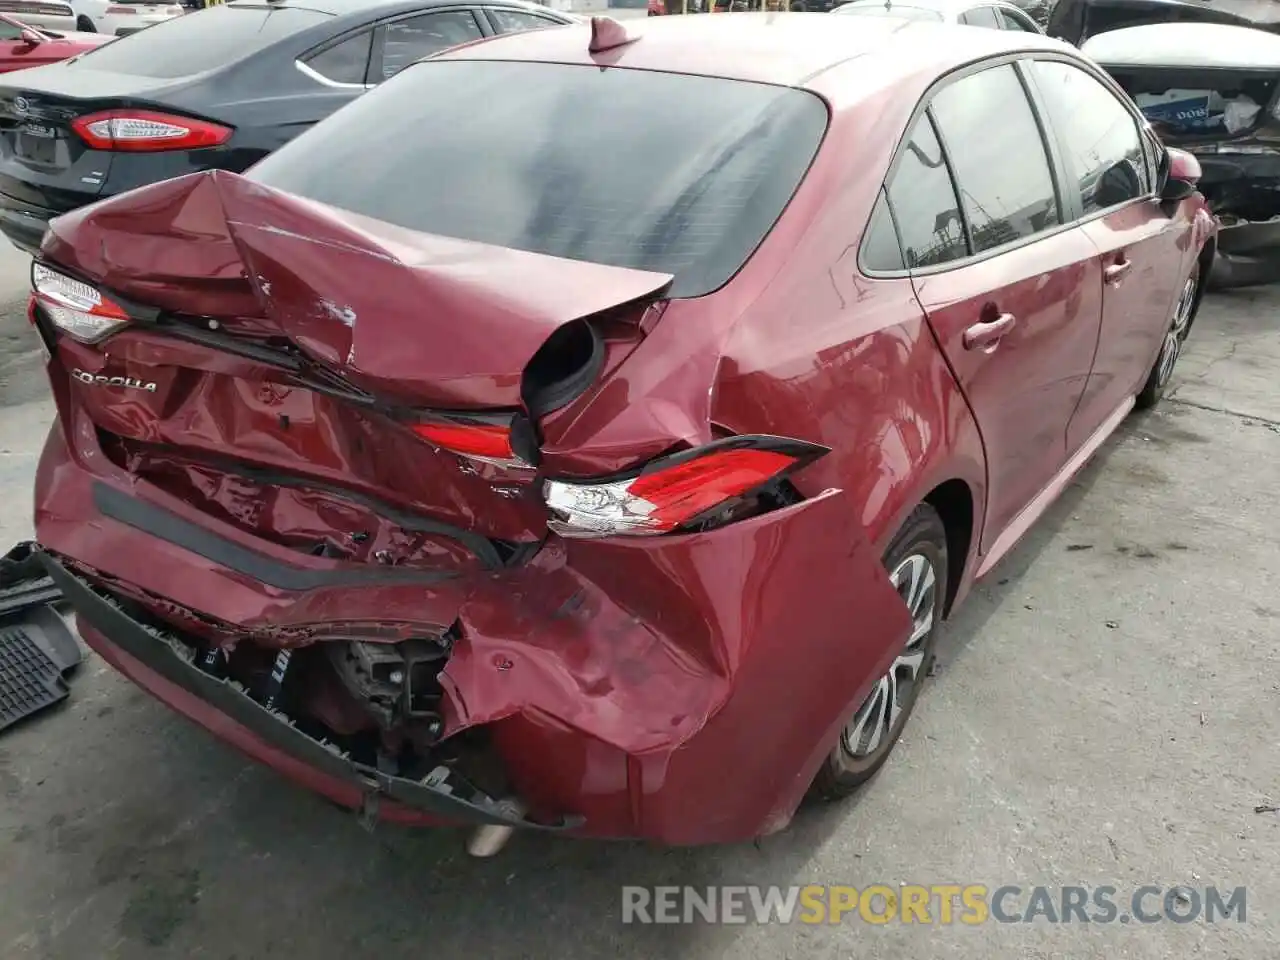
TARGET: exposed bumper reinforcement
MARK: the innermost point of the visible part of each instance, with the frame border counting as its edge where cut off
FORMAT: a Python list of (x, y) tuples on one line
[(148, 648)]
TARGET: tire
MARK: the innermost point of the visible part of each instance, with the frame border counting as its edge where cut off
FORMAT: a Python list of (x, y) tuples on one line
[(1184, 314), (85, 25), (850, 764)]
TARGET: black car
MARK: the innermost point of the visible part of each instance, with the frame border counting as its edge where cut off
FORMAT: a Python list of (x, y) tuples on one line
[(217, 89)]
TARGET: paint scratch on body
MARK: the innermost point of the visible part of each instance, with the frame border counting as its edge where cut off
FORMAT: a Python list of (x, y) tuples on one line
[(344, 315)]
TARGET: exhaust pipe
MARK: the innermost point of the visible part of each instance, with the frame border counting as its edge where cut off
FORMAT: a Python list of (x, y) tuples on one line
[(489, 840)]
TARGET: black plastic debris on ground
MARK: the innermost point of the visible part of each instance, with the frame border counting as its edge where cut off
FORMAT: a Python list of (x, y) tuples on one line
[(37, 650), (23, 582)]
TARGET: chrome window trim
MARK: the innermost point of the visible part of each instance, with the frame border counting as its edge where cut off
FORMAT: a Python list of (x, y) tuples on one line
[(318, 77)]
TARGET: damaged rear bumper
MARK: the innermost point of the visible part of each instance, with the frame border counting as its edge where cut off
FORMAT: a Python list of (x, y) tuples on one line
[(683, 688), (145, 657)]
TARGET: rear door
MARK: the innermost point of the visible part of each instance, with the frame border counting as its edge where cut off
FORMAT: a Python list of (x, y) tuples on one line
[(1012, 294), (1111, 180)]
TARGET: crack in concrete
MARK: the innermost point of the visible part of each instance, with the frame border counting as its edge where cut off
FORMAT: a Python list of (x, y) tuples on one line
[(1235, 345), (1231, 413)]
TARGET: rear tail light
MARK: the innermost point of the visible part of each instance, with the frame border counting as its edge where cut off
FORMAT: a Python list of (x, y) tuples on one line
[(486, 442), (676, 492), (145, 131), (74, 307)]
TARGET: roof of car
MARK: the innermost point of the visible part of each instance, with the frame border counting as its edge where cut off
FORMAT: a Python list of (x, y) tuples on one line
[(780, 48)]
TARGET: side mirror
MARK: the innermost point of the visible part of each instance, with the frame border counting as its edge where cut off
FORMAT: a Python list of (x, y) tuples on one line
[(31, 38), (1182, 176)]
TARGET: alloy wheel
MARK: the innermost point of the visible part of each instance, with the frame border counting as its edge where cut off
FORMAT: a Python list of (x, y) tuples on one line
[(916, 582), (1177, 332)]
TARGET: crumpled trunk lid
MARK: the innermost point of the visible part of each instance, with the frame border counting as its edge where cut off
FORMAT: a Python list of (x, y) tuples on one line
[(282, 351)]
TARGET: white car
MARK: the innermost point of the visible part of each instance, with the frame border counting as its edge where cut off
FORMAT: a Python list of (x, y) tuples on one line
[(112, 17)]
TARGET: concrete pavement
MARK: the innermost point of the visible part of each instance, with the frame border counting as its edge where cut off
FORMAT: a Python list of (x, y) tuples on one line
[(1104, 713)]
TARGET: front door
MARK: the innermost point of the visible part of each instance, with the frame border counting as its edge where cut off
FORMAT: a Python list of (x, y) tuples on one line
[(1018, 313), (1101, 144)]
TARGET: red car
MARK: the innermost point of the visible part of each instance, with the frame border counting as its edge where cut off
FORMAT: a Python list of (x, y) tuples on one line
[(24, 46), (604, 456)]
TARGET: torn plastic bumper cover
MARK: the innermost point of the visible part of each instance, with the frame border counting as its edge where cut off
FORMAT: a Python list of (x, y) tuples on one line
[(149, 648)]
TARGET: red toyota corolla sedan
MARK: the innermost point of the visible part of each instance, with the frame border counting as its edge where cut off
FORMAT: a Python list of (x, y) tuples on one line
[(587, 431)]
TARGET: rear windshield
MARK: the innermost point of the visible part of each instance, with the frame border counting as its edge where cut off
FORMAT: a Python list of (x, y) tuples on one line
[(655, 171), (896, 10), (191, 44)]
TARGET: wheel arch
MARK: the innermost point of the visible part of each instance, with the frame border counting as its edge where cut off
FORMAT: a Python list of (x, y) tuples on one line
[(953, 501), (1208, 253)]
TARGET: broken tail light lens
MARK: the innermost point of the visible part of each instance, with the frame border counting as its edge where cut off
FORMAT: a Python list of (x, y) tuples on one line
[(145, 131), (486, 442), (74, 307), (675, 492)]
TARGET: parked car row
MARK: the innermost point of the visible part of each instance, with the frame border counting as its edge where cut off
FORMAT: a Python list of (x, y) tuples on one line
[(115, 18), (23, 46), (583, 430), (187, 95), (999, 15)]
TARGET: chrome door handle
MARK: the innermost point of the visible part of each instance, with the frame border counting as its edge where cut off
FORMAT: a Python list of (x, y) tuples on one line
[(1115, 272), (987, 335)]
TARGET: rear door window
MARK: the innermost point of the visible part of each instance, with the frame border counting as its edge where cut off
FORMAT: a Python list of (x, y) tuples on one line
[(407, 41), (1099, 137), (345, 62), (998, 155), (881, 251), (513, 21), (981, 17), (185, 46), (667, 172), (924, 202), (1015, 20)]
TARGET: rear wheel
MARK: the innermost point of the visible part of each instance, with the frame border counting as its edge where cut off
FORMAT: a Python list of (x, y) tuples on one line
[(916, 561), (1171, 347), (85, 25)]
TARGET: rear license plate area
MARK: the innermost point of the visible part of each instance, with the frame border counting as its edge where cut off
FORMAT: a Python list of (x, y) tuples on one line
[(37, 143)]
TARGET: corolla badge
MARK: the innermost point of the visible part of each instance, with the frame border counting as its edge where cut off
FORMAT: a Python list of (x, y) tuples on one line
[(126, 383), (20, 106)]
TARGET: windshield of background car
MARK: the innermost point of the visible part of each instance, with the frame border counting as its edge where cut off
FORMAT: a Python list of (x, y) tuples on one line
[(665, 172), (191, 44), (884, 10)]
